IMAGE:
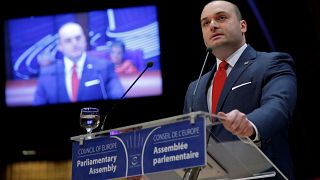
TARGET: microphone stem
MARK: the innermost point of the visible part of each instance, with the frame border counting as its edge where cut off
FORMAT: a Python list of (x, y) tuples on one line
[(195, 89), (133, 83), (203, 65), (104, 120), (193, 173)]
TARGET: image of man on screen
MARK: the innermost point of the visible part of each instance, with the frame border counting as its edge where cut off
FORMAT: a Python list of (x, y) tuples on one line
[(77, 76)]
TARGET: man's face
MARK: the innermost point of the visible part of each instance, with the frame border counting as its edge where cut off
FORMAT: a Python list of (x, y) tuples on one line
[(221, 27), (72, 42)]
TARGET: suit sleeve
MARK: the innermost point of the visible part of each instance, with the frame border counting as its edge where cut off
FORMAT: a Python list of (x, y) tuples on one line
[(278, 98)]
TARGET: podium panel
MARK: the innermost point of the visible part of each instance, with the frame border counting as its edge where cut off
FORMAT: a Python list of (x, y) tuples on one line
[(178, 147), (145, 151)]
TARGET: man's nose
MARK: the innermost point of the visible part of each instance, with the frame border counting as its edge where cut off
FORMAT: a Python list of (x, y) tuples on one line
[(213, 24), (74, 41)]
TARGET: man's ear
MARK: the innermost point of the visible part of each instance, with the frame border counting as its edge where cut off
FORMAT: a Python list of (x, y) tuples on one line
[(243, 26)]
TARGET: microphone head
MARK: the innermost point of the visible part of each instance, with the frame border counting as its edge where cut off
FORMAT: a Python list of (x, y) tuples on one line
[(150, 64), (209, 49)]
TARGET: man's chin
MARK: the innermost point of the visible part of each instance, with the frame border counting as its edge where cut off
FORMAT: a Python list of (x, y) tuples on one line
[(75, 56), (216, 44)]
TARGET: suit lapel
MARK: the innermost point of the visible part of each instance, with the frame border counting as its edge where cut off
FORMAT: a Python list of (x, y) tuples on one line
[(199, 102), (245, 60), (87, 69)]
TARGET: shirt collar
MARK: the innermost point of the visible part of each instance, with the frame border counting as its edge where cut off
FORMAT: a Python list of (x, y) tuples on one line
[(69, 63), (233, 58)]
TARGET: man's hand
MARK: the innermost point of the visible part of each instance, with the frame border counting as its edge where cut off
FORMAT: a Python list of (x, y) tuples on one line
[(237, 123)]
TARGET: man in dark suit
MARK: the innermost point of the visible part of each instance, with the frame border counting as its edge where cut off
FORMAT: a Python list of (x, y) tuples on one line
[(258, 96), (76, 77)]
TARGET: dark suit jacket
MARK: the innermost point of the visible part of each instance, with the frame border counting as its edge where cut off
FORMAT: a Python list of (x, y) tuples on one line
[(99, 81), (263, 86)]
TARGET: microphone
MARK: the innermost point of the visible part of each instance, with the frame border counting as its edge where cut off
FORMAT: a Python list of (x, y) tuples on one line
[(193, 173), (208, 50), (149, 65)]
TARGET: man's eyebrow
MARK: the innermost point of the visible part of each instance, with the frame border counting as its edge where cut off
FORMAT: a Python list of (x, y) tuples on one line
[(221, 12), (203, 19), (215, 14)]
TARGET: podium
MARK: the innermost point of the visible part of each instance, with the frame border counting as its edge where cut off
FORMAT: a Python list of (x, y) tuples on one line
[(178, 147)]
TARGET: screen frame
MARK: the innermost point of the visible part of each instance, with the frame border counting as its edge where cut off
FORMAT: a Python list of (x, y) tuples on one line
[(128, 83)]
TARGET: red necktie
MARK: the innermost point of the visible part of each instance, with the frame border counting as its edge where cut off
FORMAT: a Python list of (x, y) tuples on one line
[(75, 83), (218, 82)]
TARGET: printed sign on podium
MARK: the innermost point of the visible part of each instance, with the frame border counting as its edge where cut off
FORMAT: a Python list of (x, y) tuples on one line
[(160, 148)]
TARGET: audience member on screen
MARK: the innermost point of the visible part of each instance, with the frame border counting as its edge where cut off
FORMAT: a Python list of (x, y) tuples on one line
[(78, 76), (117, 56), (259, 93)]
